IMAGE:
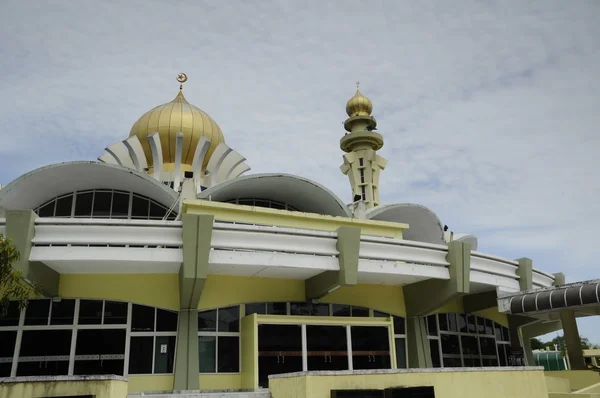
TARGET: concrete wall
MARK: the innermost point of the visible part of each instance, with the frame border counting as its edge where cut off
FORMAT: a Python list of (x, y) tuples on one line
[(61, 386), (578, 379), (447, 383)]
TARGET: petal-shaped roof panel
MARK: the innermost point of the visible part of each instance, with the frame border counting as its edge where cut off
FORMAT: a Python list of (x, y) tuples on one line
[(424, 224)]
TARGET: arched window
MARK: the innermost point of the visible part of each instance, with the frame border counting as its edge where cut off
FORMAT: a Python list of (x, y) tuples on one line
[(102, 203), (38, 340), (270, 204), (466, 340)]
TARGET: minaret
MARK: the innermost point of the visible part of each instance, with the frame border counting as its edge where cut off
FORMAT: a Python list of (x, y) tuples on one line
[(361, 162)]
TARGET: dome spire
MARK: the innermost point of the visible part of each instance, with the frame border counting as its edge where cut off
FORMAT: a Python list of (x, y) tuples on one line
[(181, 78)]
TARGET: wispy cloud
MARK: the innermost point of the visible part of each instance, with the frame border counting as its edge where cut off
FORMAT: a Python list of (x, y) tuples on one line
[(489, 109)]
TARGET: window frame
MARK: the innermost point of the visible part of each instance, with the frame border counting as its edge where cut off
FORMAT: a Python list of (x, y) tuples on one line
[(75, 327), (218, 334)]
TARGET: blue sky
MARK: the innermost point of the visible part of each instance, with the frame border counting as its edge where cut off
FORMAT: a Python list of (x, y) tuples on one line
[(489, 110)]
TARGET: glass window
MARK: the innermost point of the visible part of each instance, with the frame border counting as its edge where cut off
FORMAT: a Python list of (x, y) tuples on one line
[(157, 211), (207, 350), (379, 314), (489, 327), (470, 350), (47, 210), (360, 311), (480, 325), (100, 351), (120, 205), (434, 347), (277, 308), (452, 322), (498, 331), (12, 315), (505, 334), (166, 321), (115, 313), (90, 312), (488, 346), (64, 206), (102, 204), (256, 308), (399, 325), (299, 309), (462, 323), (229, 354), (471, 324), (319, 309), (37, 312), (140, 355), (443, 319), (207, 321), (140, 207), (340, 310), (432, 325), (164, 354), (34, 343), (142, 318), (450, 344), (63, 312), (229, 319), (83, 204), (7, 350), (401, 353)]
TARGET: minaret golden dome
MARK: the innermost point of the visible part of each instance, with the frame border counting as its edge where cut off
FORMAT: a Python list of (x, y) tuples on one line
[(359, 105), (174, 117)]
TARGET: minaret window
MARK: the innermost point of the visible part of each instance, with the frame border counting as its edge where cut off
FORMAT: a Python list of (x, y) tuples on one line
[(362, 176), (364, 193), (360, 162)]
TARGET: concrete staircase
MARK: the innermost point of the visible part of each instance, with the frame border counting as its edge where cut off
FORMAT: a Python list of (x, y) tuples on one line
[(563, 387), (261, 393)]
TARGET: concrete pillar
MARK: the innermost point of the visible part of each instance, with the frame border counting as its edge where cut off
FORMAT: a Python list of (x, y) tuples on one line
[(419, 355), (422, 298), (572, 340), (348, 245), (20, 228), (197, 236), (525, 272)]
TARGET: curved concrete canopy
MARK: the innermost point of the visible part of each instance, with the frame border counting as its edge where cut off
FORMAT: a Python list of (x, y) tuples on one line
[(301, 193), (423, 224), (40, 185)]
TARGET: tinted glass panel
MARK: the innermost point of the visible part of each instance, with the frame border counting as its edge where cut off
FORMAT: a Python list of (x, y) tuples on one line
[(140, 355), (450, 344), (37, 312), (83, 204), (207, 347), (277, 308), (443, 320), (12, 315), (157, 211), (359, 311), (63, 312), (164, 353), (120, 205), (35, 343), (299, 309), (480, 325), (90, 312), (399, 325), (340, 310), (462, 323), (401, 353), (256, 308), (452, 323), (7, 346), (115, 313), (166, 321), (47, 210), (489, 327), (488, 346), (207, 321), (139, 207), (105, 367), (142, 318), (229, 354), (431, 325), (100, 342), (319, 310), (102, 202), (471, 324), (434, 347), (64, 206), (229, 319)]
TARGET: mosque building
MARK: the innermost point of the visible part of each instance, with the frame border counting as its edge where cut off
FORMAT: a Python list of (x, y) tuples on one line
[(166, 266)]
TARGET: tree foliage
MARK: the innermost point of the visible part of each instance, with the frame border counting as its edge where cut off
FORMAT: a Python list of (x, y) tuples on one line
[(561, 345), (12, 285)]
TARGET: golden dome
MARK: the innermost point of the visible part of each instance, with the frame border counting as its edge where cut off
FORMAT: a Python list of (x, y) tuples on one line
[(359, 105), (168, 120)]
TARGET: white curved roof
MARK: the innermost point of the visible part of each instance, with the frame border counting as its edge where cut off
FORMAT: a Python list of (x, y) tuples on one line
[(424, 224), (301, 193), (40, 185)]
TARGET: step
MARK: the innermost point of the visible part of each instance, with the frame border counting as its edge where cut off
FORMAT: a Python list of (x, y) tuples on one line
[(263, 393)]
